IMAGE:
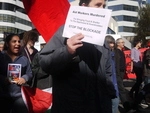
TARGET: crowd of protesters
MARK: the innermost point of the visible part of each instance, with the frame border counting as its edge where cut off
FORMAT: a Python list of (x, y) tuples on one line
[(85, 78)]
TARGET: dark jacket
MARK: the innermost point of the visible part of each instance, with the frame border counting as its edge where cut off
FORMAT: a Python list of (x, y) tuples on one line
[(114, 79), (81, 82), (120, 61), (146, 61), (6, 88), (41, 79)]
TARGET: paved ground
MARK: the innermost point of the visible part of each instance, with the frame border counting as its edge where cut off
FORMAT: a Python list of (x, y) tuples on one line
[(128, 84)]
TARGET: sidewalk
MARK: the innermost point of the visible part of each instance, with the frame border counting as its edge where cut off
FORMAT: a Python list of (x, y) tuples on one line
[(128, 83)]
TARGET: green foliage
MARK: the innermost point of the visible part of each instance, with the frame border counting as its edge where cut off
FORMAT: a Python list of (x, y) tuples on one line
[(143, 23)]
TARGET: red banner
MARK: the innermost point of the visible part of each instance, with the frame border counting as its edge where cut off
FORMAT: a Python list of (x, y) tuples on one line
[(130, 75)]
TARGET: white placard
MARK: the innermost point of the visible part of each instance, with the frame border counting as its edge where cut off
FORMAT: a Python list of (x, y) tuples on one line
[(91, 22)]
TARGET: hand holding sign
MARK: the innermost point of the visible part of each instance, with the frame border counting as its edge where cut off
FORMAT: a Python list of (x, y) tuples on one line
[(74, 42)]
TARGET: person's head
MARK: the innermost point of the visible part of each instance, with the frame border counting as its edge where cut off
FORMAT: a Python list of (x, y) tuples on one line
[(111, 41), (120, 43), (29, 38), (137, 43), (93, 3), (12, 44), (1, 46)]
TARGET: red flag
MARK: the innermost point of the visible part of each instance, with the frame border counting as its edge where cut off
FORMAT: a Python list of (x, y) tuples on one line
[(36, 100), (47, 15)]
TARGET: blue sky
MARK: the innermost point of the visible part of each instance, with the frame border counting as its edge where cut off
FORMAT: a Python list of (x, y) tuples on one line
[(148, 1), (70, 0)]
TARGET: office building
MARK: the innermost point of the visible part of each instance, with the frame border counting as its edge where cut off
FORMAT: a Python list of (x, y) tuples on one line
[(13, 18), (125, 12)]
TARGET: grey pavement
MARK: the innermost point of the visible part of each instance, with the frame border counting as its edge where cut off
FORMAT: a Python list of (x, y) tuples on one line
[(128, 83)]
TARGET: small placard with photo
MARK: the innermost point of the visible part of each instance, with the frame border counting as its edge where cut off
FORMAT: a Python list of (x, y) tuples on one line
[(14, 72)]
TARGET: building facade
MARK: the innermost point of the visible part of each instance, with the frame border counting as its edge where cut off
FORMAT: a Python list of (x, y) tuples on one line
[(125, 12), (13, 18)]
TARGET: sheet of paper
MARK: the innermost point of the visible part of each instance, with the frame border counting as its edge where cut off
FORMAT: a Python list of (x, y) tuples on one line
[(91, 22)]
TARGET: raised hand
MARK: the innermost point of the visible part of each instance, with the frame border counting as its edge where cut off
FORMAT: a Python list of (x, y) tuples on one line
[(74, 42)]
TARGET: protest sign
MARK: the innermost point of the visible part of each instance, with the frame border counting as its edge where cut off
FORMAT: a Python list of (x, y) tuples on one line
[(91, 22)]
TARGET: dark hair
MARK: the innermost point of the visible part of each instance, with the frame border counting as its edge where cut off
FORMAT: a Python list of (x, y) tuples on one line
[(109, 39), (84, 1), (30, 35), (136, 42), (8, 39)]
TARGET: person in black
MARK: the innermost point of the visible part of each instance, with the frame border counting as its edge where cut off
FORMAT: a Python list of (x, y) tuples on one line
[(41, 80), (120, 72), (80, 72), (137, 68)]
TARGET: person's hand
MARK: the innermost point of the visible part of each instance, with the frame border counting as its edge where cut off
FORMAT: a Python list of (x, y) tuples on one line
[(21, 81), (74, 42), (131, 70)]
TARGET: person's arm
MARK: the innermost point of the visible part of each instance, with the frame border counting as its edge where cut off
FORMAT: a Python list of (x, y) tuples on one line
[(36, 68), (117, 62), (132, 58), (56, 56), (110, 85), (148, 57), (27, 75), (108, 66)]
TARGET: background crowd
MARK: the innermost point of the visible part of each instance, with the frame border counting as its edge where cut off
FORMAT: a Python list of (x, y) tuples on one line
[(85, 78)]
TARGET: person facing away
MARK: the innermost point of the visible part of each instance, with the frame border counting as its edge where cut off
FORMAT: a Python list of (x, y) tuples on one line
[(10, 93), (28, 42), (80, 72), (111, 43), (120, 72), (136, 67)]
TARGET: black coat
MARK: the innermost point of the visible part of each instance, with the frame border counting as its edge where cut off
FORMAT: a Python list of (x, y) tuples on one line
[(146, 62), (41, 79), (81, 82)]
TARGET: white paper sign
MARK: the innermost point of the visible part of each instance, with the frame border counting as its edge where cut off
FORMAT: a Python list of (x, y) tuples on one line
[(91, 22)]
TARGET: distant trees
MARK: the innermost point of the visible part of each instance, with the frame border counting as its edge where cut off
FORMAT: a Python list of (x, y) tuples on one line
[(143, 24)]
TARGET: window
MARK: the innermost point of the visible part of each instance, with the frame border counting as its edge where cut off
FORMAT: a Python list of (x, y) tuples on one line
[(126, 29), (123, 7), (109, 31), (10, 30), (126, 18), (11, 7)]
